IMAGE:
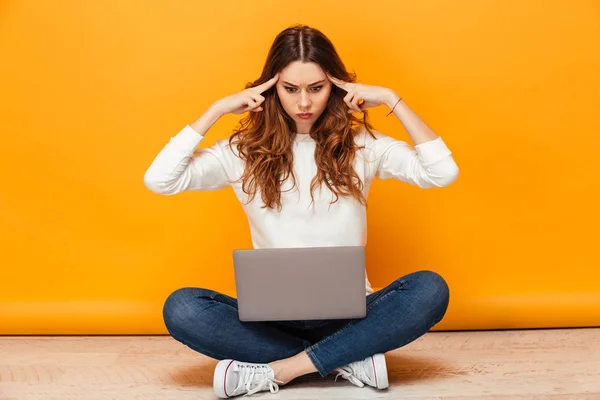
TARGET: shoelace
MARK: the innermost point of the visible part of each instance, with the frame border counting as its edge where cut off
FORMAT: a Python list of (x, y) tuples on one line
[(247, 375), (355, 373)]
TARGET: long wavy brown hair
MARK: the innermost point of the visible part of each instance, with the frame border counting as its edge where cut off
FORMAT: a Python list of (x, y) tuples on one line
[(264, 139)]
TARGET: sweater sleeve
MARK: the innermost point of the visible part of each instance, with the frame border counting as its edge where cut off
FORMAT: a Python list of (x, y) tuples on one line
[(427, 165), (180, 166)]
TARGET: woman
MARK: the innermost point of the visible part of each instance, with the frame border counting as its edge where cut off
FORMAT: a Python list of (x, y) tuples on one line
[(301, 163)]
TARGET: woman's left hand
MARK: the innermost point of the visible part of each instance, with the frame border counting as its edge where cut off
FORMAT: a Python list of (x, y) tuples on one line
[(360, 96)]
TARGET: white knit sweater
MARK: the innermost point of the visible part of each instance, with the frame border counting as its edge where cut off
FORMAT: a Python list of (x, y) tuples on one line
[(182, 166)]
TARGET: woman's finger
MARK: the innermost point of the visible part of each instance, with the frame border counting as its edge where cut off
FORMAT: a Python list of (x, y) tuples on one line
[(267, 85), (347, 99), (253, 109), (354, 102), (250, 102), (339, 83), (256, 97)]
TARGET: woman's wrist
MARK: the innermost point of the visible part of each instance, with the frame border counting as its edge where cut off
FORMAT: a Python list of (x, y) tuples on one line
[(392, 99)]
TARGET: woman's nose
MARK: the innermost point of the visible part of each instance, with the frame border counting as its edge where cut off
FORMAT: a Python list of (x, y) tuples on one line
[(304, 101)]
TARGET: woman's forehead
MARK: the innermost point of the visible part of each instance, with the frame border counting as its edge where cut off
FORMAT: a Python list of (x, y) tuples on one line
[(302, 74)]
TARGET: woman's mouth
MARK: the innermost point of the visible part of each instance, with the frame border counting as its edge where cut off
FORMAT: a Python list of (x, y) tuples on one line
[(304, 115)]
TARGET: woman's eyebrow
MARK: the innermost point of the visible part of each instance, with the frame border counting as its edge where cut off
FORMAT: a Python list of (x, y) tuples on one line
[(312, 84)]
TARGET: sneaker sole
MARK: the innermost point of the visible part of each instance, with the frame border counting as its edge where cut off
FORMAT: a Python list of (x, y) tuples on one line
[(380, 367), (219, 378)]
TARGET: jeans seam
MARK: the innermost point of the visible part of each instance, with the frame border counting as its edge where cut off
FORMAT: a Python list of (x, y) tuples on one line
[(314, 359), (379, 299), (224, 301), (328, 338)]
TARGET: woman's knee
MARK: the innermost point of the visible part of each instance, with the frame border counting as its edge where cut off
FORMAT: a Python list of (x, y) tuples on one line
[(180, 308), (434, 289)]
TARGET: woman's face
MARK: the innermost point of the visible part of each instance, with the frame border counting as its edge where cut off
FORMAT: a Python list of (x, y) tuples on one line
[(303, 88)]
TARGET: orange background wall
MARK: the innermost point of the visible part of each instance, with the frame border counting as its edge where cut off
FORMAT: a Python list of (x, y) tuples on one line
[(92, 91)]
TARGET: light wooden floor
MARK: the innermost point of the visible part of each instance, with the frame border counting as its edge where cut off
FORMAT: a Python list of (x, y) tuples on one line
[(509, 365)]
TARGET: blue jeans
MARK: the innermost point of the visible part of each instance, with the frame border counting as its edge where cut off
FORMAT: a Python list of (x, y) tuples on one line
[(207, 321)]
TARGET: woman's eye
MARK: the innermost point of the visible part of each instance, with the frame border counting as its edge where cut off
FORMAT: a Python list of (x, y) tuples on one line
[(291, 89)]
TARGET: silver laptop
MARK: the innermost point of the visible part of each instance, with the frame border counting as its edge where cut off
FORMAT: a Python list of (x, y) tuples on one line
[(306, 283)]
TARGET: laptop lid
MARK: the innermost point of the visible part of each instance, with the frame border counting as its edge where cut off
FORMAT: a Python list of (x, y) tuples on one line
[(302, 283)]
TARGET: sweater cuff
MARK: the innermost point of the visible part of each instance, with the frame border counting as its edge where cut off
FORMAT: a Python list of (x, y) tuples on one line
[(432, 151), (188, 138)]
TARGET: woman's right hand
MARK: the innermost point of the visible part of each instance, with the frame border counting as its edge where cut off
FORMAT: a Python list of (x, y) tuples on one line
[(247, 100)]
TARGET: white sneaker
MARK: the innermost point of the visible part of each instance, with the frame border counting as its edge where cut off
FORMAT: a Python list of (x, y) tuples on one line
[(233, 378), (372, 371)]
